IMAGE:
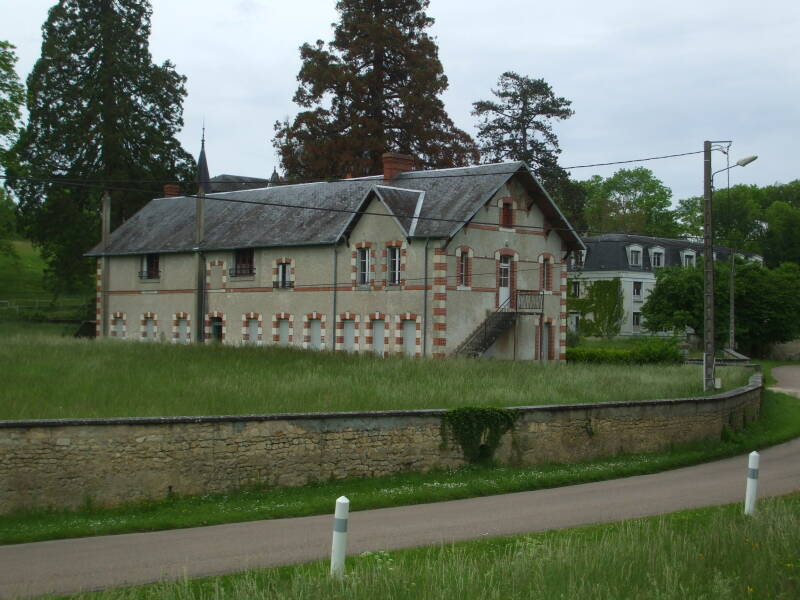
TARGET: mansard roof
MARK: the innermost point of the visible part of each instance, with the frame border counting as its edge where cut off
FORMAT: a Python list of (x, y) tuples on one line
[(608, 252), (425, 204)]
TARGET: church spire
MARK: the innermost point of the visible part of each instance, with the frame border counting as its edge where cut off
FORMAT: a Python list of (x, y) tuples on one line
[(203, 177)]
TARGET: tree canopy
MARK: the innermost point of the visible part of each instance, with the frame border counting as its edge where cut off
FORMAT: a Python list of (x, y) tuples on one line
[(518, 125), (766, 303), (374, 88), (102, 115), (763, 220), (602, 308), (630, 201), (12, 95)]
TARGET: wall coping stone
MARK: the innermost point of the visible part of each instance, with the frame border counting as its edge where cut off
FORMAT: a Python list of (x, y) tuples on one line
[(754, 383)]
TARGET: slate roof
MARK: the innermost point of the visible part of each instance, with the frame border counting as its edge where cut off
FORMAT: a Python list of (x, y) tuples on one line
[(607, 252), (233, 183), (320, 213)]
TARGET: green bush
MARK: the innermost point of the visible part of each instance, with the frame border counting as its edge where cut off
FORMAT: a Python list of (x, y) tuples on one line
[(649, 351)]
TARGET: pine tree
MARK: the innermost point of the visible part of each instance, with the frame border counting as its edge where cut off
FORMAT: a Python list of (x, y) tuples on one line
[(374, 88), (518, 125), (102, 114)]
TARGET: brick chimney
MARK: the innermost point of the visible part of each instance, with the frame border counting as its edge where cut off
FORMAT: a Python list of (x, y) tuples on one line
[(394, 164), (171, 189)]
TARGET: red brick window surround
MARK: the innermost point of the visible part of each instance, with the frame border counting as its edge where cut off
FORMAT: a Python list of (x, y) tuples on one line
[(214, 326), (283, 273), (464, 257), (283, 324), (119, 325), (252, 329), (181, 328), (149, 326), (362, 265), (546, 272)]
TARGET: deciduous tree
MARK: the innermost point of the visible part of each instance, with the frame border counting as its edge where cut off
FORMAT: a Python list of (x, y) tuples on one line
[(12, 95), (102, 114), (630, 201), (602, 308), (375, 88)]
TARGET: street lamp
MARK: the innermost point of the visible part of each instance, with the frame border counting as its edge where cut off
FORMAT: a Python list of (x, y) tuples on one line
[(742, 162), (708, 261)]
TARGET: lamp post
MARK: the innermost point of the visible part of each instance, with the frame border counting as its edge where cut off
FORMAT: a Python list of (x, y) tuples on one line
[(708, 261)]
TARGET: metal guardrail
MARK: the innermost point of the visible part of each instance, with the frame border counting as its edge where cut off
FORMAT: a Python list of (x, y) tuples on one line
[(529, 301)]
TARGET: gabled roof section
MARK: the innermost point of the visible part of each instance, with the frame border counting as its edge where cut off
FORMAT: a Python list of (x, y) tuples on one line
[(425, 204)]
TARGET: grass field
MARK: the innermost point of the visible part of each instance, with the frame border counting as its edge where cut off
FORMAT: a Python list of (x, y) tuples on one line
[(708, 553), (59, 377)]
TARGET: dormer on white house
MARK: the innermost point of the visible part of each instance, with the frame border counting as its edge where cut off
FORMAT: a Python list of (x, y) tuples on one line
[(656, 256), (634, 255), (688, 258)]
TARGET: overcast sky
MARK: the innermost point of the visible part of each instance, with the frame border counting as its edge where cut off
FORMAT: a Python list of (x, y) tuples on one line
[(645, 78)]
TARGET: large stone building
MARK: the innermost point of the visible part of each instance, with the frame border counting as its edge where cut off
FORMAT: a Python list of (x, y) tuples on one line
[(423, 263), (634, 260)]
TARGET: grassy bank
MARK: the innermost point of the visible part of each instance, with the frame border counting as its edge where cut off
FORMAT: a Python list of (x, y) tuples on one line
[(780, 421), (59, 377), (707, 553)]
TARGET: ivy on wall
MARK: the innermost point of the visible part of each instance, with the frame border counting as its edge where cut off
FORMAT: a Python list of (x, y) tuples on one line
[(477, 430)]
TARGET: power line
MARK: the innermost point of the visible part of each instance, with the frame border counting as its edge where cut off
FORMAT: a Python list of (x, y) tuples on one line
[(408, 175)]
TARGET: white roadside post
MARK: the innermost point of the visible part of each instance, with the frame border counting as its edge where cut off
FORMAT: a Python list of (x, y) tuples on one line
[(752, 484), (339, 544)]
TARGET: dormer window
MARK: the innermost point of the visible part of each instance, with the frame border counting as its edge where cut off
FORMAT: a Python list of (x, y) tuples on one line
[(688, 258), (656, 257), (635, 256)]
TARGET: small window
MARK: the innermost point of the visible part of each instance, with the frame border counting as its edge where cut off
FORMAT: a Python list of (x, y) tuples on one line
[(507, 214), (283, 332), (118, 327), (243, 263), (182, 326), (463, 269), (363, 266), (150, 267), (252, 332), (409, 337), (149, 328), (216, 329), (546, 278), (394, 265), (658, 259), (637, 319), (636, 258), (637, 289), (284, 276), (576, 289)]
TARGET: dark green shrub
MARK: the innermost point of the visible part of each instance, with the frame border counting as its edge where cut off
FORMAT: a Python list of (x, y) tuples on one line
[(648, 351), (477, 429)]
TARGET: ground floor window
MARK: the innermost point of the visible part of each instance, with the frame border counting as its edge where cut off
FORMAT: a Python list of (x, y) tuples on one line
[(378, 336), (149, 327), (315, 334), (118, 327), (409, 337), (182, 330), (216, 329), (349, 335), (252, 331), (283, 332)]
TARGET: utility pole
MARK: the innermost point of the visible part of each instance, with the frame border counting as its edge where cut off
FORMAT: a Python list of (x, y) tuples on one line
[(732, 331), (105, 237), (708, 273)]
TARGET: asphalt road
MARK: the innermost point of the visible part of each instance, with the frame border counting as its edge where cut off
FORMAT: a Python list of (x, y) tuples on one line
[(788, 378), (67, 566)]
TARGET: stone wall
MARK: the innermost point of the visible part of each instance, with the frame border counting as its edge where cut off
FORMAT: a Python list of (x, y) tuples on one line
[(63, 464)]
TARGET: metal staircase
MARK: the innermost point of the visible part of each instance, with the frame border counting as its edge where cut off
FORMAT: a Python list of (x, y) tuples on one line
[(498, 322)]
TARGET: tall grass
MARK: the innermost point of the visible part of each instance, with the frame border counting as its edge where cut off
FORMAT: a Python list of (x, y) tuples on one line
[(707, 553), (59, 377)]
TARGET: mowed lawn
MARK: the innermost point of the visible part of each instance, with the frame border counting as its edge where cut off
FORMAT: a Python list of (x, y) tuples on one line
[(50, 376)]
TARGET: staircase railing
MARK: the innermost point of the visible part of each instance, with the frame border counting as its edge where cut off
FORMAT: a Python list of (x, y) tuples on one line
[(482, 332)]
